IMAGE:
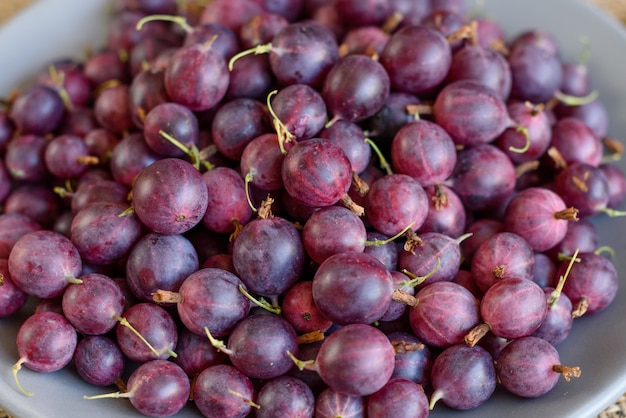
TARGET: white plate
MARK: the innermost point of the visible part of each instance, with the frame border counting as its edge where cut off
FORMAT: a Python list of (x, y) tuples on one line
[(54, 28)]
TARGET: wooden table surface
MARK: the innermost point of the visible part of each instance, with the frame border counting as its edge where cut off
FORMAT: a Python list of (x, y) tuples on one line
[(615, 7), (9, 7)]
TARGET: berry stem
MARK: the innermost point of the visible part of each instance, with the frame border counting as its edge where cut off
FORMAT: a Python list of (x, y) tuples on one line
[(247, 180), (257, 50), (498, 271), (265, 211), (113, 395), (412, 241), (244, 399), (556, 293), (58, 79), (464, 237), (570, 100), (127, 212), (557, 158), (476, 333), (438, 394), (392, 22), (380, 242), (301, 364), (403, 297), (62, 192), (563, 257), (440, 198), (567, 371), (402, 347), (121, 385), (167, 296), (332, 121), (581, 307), (605, 249), (535, 108), (359, 184), (311, 337), (613, 212), (521, 129), (174, 141), (615, 148), (16, 368), (73, 280), (179, 20), (218, 344), (237, 227), (192, 151), (260, 302), (526, 167), (468, 32), (384, 164), (207, 152), (281, 130), (419, 109), (124, 322), (88, 160), (352, 205), (417, 280), (569, 214)]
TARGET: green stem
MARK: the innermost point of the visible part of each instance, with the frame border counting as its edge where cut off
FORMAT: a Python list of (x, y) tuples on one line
[(170, 352), (417, 280), (607, 249), (184, 148), (58, 80), (259, 49), (611, 158), (218, 344), (244, 399), (124, 322), (301, 364), (438, 394), (612, 212), (282, 132), (114, 395), (332, 121), (247, 180), (464, 237), (127, 212), (192, 152), (73, 280), (569, 100), (563, 257), (383, 161), (62, 192), (261, 302), (526, 146), (179, 20), (16, 368), (556, 293), (380, 242)]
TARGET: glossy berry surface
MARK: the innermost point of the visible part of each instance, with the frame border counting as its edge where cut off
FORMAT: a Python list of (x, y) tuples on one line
[(357, 359), (161, 204)]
